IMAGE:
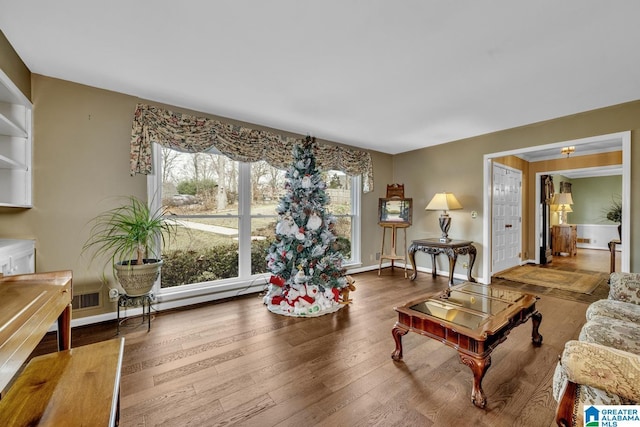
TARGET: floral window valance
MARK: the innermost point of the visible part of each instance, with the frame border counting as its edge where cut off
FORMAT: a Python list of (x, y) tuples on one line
[(197, 134)]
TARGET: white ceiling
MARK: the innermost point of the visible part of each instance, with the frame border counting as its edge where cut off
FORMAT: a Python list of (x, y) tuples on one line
[(386, 75)]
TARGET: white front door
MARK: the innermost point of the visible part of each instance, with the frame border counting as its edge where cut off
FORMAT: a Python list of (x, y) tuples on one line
[(506, 228)]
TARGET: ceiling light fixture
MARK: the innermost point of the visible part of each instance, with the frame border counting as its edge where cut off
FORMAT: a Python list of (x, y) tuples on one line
[(568, 150)]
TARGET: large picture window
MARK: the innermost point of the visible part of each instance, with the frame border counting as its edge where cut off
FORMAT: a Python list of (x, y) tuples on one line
[(225, 212)]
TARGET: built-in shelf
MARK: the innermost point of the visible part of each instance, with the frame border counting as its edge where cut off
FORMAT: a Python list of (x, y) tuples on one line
[(8, 163), (15, 145), (13, 120)]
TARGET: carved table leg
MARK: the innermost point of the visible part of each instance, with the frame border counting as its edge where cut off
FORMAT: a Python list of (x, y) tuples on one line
[(472, 259), (397, 333), (453, 257), (412, 258), (479, 368), (434, 270), (536, 318)]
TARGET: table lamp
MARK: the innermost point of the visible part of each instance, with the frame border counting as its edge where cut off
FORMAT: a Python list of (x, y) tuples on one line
[(444, 202), (563, 201)]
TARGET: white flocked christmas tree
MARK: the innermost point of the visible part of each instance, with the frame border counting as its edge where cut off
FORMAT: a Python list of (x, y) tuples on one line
[(306, 267)]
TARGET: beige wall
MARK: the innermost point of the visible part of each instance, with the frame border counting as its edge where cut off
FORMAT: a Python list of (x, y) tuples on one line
[(458, 167), (80, 160), (371, 239), (81, 167), (13, 66), (455, 168)]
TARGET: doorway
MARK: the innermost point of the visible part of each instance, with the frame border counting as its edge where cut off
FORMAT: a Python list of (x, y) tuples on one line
[(612, 142)]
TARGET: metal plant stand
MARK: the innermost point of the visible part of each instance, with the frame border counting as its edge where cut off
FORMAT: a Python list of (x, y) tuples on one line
[(145, 300)]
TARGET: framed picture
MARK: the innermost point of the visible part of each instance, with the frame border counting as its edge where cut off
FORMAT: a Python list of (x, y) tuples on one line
[(395, 211)]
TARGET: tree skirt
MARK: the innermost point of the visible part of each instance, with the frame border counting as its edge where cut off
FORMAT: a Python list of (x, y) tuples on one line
[(552, 278), (277, 309), (305, 300)]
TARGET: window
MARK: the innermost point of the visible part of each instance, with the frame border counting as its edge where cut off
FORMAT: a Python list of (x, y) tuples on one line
[(225, 212)]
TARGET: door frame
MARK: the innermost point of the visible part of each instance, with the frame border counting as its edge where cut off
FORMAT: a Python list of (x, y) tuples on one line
[(625, 142)]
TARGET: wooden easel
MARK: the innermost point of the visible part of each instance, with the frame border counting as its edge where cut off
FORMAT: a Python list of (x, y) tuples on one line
[(394, 191), (393, 256)]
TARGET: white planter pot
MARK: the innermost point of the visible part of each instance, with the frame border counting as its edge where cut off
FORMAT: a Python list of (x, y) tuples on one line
[(135, 279)]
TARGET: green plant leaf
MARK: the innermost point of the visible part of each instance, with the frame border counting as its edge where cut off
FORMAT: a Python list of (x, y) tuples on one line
[(129, 232)]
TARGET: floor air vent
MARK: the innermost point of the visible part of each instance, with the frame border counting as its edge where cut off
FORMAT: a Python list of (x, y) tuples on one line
[(86, 301)]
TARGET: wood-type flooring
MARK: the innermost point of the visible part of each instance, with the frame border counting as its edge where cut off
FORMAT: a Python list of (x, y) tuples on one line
[(235, 363)]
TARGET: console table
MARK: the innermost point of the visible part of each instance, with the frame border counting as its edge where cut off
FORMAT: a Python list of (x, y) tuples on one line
[(564, 239), (452, 249)]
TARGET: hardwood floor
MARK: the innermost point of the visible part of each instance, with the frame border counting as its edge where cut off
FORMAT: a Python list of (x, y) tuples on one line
[(235, 363), (587, 261)]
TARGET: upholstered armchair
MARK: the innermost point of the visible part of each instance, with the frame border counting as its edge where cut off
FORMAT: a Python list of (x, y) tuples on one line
[(625, 287), (624, 299), (603, 367)]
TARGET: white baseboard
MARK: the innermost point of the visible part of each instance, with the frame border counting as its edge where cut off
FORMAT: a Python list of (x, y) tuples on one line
[(191, 297)]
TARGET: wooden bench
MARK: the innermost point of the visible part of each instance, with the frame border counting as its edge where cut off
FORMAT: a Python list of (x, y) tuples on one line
[(80, 386)]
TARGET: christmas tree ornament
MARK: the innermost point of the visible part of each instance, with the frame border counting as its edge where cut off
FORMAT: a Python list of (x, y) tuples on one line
[(314, 222), (286, 226)]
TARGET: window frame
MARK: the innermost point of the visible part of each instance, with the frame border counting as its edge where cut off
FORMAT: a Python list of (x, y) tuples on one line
[(245, 282)]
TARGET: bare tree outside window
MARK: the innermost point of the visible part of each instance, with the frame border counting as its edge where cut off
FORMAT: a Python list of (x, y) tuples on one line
[(201, 191)]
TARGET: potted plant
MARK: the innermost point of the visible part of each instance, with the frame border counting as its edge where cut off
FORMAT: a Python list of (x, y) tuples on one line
[(614, 214), (130, 235)]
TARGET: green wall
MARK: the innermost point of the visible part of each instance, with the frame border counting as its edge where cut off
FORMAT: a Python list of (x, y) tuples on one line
[(592, 196)]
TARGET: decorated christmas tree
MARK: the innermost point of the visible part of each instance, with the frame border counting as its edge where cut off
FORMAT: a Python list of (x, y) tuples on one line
[(306, 266)]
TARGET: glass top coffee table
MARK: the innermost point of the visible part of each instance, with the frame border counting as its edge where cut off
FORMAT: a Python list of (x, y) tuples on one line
[(472, 318)]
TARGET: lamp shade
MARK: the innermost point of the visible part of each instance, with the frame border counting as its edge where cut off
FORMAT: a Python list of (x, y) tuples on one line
[(443, 202), (562, 199)]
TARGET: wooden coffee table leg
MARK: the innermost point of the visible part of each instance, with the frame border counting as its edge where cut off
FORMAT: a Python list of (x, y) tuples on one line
[(479, 367), (397, 333), (536, 318)]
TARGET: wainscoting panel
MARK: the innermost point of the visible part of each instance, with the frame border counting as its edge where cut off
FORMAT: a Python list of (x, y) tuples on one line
[(596, 236)]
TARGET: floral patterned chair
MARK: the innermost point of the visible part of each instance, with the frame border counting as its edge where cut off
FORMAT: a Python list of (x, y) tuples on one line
[(603, 366)]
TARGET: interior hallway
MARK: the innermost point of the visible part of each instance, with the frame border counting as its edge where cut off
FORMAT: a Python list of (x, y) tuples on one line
[(587, 261)]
